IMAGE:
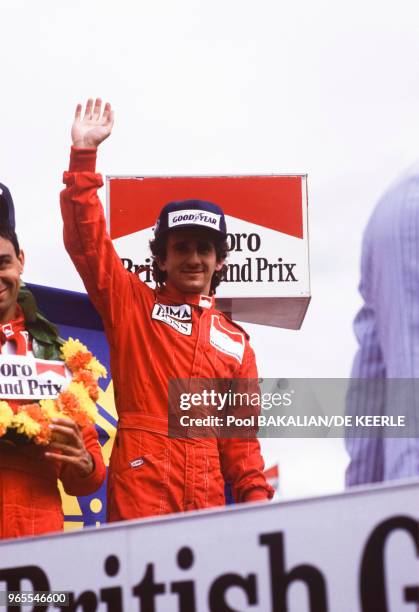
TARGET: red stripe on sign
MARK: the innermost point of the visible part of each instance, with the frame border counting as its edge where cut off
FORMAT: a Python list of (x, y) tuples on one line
[(274, 202), (50, 367)]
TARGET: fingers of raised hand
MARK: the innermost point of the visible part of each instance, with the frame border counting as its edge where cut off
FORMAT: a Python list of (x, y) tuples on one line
[(77, 114), (93, 112), (107, 116), (89, 109), (111, 118), (90, 129), (97, 108)]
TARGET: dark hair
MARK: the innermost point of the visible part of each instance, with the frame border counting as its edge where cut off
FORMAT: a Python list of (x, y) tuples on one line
[(8, 233), (158, 247)]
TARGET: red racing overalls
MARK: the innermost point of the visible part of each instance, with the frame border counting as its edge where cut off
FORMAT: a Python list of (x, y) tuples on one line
[(149, 472), (30, 502)]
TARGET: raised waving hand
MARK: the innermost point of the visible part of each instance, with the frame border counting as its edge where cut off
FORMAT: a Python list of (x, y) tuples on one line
[(89, 130)]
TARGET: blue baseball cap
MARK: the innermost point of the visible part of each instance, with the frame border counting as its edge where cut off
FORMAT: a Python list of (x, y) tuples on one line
[(7, 210), (190, 213)]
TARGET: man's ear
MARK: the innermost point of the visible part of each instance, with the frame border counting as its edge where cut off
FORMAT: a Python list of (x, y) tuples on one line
[(21, 259), (219, 265)]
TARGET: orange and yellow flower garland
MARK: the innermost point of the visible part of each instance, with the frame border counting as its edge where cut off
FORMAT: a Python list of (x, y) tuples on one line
[(76, 401)]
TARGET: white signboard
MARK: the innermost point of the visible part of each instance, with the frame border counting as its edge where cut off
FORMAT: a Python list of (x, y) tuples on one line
[(351, 552), (29, 378)]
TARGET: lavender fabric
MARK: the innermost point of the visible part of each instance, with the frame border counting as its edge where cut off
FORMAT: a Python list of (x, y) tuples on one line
[(387, 329)]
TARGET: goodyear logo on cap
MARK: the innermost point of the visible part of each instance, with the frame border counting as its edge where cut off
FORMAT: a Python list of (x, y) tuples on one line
[(195, 217)]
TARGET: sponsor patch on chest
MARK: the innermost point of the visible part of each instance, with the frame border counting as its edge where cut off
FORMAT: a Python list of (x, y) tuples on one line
[(178, 316), (225, 340)]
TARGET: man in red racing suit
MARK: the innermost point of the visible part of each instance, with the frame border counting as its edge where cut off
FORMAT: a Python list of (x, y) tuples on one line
[(30, 502), (150, 473)]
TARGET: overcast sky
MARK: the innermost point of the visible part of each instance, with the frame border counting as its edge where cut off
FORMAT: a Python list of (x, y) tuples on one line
[(325, 88)]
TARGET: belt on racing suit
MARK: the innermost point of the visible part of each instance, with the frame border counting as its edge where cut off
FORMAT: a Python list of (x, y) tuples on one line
[(159, 425)]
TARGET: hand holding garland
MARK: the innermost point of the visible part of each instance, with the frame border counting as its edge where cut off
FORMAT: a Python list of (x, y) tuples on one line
[(73, 408), (68, 447)]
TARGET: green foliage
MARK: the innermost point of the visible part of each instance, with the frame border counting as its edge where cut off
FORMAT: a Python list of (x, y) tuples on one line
[(46, 342)]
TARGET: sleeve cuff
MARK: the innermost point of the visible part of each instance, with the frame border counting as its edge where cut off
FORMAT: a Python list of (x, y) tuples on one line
[(257, 494), (82, 160), (74, 484)]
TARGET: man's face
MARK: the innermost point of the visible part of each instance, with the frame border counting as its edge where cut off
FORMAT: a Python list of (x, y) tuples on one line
[(11, 267), (191, 260)]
